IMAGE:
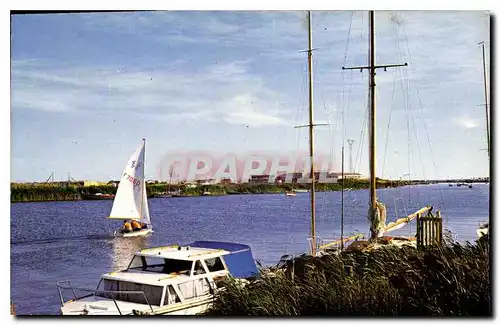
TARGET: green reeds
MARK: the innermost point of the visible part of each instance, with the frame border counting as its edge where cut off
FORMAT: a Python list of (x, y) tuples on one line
[(59, 192), (43, 192), (442, 281)]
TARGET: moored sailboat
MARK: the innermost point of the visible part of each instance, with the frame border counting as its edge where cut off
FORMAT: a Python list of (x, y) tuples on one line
[(131, 202), (377, 210)]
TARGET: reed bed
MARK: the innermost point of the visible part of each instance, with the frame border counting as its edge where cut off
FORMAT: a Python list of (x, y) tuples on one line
[(58, 192), (451, 280)]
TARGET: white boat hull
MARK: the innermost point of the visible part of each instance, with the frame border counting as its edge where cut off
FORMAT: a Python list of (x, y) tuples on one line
[(99, 306), (143, 232), (481, 232)]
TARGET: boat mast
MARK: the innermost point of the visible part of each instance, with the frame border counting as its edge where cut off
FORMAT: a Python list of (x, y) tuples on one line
[(373, 180), (372, 67), (486, 101), (143, 185), (342, 205), (311, 140)]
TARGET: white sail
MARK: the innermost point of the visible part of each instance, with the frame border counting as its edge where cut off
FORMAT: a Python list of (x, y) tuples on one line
[(130, 200)]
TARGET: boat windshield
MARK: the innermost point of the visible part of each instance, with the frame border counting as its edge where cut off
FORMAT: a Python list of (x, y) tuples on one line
[(160, 265), (120, 288)]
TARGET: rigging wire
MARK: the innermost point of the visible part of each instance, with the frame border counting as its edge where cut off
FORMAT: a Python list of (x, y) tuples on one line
[(389, 122), (340, 101), (411, 110), (424, 121)]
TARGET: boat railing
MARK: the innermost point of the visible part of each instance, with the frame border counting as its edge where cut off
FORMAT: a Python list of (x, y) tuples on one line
[(66, 285)]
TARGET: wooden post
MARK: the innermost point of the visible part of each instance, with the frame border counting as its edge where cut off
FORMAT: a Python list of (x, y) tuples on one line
[(419, 231), (429, 230), (440, 232)]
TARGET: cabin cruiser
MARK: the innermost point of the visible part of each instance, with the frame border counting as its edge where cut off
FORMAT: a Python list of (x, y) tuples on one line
[(169, 280)]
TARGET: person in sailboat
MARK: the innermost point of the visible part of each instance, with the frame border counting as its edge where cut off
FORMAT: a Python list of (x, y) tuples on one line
[(135, 225), (144, 225), (127, 227)]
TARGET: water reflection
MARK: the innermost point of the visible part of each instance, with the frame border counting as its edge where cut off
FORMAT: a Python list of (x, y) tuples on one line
[(124, 249)]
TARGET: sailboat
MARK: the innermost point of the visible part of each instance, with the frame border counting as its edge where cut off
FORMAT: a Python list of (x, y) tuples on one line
[(131, 202), (315, 248), (377, 210)]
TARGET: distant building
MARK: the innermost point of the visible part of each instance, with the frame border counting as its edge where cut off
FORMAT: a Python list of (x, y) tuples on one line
[(258, 179), (93, 183), (350, 175), (294, 178), (206, 181), (226, 181)]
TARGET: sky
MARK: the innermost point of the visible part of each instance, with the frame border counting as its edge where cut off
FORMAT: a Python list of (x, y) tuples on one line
[(86, 88)]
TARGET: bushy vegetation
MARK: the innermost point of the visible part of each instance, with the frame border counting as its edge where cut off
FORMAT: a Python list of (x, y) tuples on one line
[(451, 280), (43, 192), (56, 192)]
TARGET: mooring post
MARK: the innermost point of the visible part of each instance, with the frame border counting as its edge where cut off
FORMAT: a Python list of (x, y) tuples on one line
[(440, 231)]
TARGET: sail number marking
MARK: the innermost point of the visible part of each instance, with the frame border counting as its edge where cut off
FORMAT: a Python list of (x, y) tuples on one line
[(131, 179)]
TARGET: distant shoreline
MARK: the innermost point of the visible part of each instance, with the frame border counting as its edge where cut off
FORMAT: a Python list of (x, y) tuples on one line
[(55, 192)]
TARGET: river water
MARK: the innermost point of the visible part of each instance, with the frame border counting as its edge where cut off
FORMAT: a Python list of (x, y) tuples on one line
[(52, 241)]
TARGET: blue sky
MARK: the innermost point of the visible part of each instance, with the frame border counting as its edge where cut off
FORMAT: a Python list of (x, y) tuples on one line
[(85, 88)]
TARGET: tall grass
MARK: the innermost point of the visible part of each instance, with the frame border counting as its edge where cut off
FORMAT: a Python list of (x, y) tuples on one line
[(57, 192), (43, 192), (446, 281)]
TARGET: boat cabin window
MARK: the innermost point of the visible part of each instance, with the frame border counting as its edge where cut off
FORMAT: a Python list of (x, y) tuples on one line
[(171, 297), (195, 288), (161, 265), (152, 293), (198, 268), (214, 264)]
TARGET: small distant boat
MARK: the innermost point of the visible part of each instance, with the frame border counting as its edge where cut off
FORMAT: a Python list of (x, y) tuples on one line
[(470, 186), (98, 196), (482, 229), (301, 191), (206, 193), (162, 195), (290, 193), (450, 185), (131, 202)]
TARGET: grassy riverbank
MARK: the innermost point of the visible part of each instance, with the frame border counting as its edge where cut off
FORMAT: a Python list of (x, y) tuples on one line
[(448, 281), (52, 192)]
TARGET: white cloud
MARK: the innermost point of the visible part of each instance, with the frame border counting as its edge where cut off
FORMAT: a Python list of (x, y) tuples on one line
[(246, 109), (467, 122), (208, 94)]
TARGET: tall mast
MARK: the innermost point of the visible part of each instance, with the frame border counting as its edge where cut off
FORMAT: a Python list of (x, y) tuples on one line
[(373, 180), (372, 67), (311, 140), (143, 185), (486, 101), (342, 206)]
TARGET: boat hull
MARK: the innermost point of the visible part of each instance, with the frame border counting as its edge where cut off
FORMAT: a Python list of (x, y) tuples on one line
[(481, 232), (143, 232), (97, 197), (99, 306)]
